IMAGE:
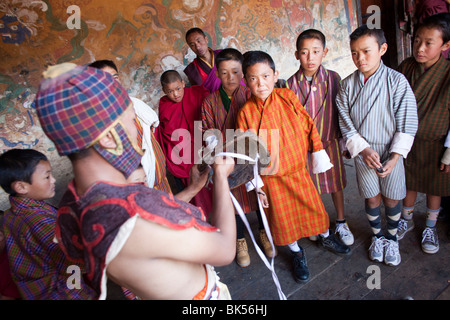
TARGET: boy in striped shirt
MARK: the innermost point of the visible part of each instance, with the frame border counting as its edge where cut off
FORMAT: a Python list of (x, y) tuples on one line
[(378, 119), (316, 88)]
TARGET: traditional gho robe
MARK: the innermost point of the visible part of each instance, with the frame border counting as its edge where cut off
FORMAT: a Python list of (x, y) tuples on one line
[(379, 113), (199, 72), (93, 228), (219, 112), (319, 98), (175, 134), (38, 265), (432, 90), (295, 207)]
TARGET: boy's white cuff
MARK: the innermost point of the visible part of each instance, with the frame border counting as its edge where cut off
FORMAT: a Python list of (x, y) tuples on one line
[(446, 157), (356, 144), (251, 185), (320, 161), (402, 144)]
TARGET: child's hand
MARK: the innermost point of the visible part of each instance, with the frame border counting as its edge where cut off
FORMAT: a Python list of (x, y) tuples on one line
[(389, 165), (346, 154), (263, 198), (445, 168), (371, 158)]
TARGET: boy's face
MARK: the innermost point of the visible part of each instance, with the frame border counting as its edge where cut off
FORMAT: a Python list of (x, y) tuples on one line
[(366, 54), (42, 186), (112, 72), (261, 79), (198, 43), (310, 54), (428, 46), (230, 73), (174, 91)]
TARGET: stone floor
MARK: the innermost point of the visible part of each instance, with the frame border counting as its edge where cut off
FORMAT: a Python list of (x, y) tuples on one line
[(419, 276)]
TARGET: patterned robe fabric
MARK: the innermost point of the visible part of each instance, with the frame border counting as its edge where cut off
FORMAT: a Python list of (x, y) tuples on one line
[(318, 98), (431, 88), (181, 153), (201, 73), (38, 265), (295, 207), (378, 109), (215, 116), (161, 182), (87, 226)]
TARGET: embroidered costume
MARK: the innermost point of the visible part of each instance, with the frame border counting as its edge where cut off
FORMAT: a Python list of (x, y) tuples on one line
[(105, 216)]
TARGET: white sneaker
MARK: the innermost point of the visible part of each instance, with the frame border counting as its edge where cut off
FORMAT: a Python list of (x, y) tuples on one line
[(376, 249), (403, 227), (392, 253), (344, 233), (430, 242)]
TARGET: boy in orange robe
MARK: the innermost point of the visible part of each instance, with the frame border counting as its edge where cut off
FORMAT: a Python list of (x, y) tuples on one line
[(295, 207)]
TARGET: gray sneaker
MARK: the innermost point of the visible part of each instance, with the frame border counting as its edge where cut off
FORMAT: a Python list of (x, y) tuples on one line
[(430, 241), (403, 227), (344, 233), (392, 253), (376, 249)]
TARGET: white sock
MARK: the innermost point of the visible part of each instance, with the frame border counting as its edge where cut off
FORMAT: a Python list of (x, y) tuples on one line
[(294, 247), (325, 234)]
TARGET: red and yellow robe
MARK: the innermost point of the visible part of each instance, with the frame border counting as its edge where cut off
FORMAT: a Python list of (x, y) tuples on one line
[(295, 207)]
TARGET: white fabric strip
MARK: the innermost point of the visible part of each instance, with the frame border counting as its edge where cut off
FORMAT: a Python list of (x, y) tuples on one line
[(241, 213)]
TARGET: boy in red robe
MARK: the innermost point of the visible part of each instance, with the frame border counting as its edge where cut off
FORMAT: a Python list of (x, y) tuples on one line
[(180, 118)]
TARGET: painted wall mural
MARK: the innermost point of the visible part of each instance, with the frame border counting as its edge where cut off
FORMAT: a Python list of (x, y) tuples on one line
[(145, 38)]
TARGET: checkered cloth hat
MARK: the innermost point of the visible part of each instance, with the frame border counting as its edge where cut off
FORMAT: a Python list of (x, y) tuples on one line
[(76, 104)]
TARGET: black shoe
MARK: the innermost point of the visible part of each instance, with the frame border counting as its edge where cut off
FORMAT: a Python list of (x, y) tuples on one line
[(301, 271), (334, 244)]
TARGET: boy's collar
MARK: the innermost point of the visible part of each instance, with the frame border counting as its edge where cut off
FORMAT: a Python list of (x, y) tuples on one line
[(364, 79)]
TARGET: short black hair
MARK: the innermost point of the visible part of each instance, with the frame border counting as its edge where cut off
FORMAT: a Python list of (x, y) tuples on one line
[(170, 76), (229, 54), (310, 34), (439, 21), (100, 64), (194, 30), (364, 30), (18, 165), (253, 57)]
